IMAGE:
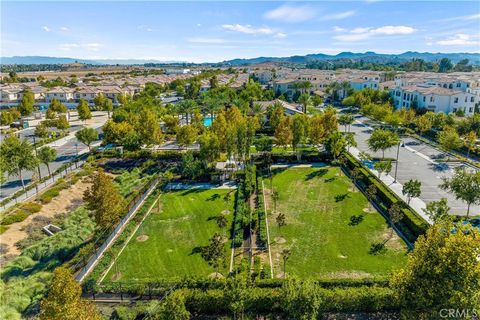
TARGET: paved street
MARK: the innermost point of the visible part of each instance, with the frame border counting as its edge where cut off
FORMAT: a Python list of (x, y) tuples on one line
[(66, 150), (417, 160)]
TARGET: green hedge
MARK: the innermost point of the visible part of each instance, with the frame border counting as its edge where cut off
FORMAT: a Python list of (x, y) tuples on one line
[(412, 224)]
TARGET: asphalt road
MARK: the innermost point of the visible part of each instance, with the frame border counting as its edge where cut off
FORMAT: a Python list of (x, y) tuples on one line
[(417, 161), (66, 151)]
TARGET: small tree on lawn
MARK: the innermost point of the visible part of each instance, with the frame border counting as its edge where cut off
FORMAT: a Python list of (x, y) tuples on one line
[(214, 252), (412, 189), (437, 210), (396, 215), (87, 136), (371, 194), (465, 186), (46, 155)]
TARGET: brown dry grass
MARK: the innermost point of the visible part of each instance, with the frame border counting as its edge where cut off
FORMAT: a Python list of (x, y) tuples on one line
[(68, 200)]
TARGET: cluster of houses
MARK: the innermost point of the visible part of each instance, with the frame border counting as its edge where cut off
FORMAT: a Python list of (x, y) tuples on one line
[(437, 92), (111, 86)]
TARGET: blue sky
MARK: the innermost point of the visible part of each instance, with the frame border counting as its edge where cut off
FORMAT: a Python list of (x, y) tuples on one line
[(221, 30)]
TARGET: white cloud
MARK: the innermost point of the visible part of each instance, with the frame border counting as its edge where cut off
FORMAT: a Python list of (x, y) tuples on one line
[(461, 18), (280, 35), (338, 16), (46, 29), (206, 40), (287, 13), (64, 29), (460, 39), (144, 27), (339, 29), (86, 46), (199, 24), (359, 34), (248, 29)]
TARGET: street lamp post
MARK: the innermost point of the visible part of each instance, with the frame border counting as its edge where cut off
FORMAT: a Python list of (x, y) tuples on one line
[(36, 155), (396, 163)]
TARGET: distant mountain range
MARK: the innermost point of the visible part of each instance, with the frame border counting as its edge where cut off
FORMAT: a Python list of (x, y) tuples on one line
[(371, 57)]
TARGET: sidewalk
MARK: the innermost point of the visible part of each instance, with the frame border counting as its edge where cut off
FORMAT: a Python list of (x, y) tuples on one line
[(416, 204)]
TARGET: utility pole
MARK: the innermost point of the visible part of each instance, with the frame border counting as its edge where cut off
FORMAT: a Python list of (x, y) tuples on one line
[(396, 162), (36, 155)]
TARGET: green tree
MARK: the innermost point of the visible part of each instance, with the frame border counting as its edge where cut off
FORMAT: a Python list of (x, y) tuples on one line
[(465, 186), (209, 147), (280, 219), (449, 139), (263, 143), (276, 116), (186, 135), (26, 105), (190, 167), (304, 100), (445, 65), (148, 128), (46, 155), (283, 133), (336, 144), (381, 139), (346, 120), (437, 210), (316, 129), (83, 110), (87, 136), (442, 272), (301, 299), (470, 142), (350, 140), (316, 100), (173, 308), (423, 123), (41, 131), (104, 199), (299, 130), (383, 166), (17, 156), (99, 101), (412, 189), (107, 106), (214, 252), (62, 123), (63, 300)]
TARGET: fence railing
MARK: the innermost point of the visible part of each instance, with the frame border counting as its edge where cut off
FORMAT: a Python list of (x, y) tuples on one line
[(98, 252)]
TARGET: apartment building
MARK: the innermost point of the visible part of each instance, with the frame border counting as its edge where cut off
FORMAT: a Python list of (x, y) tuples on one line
[(434, 98)]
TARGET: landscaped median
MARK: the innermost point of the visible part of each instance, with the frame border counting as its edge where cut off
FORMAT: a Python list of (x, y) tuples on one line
[(412, 225)]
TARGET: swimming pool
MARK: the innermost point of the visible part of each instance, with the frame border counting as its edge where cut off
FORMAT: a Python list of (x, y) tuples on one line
[(207, 121)]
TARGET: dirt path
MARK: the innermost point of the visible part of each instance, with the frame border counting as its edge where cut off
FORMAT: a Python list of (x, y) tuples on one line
[(68, 200)]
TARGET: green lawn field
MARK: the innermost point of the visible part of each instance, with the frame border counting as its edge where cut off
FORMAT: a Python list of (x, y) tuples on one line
[(318, 204), (182, 224)]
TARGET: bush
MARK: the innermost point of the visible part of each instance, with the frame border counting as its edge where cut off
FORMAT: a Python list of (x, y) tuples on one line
[(48, 195), (15, 217), (31, 207)]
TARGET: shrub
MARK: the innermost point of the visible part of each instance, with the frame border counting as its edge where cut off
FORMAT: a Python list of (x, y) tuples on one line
[(31, 207), (15, 217), (48, 195)]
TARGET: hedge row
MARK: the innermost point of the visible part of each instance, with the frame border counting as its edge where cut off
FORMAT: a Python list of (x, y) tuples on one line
[(275, 301), (262, 225), (412, 225)]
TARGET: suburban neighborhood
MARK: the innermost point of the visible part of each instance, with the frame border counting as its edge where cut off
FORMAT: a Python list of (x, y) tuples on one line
[(225, 169)]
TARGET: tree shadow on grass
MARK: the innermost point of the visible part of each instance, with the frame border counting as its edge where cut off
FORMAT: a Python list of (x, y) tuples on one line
[(329, 180), (213, 197), (316, 173), (341, 197), (196, 250), (355, 220)]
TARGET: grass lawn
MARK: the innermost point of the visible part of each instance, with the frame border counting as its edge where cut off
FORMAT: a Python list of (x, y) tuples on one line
[(318, 204), (183, 224)]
